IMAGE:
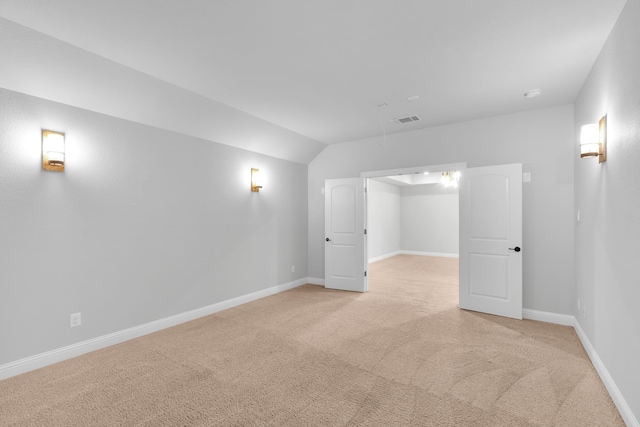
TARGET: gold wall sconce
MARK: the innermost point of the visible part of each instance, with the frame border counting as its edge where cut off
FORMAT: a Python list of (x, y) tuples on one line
[(256, 180), (593, 140), (52, 151)]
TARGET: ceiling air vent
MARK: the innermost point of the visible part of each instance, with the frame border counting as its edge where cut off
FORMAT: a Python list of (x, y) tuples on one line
[(404, 120)]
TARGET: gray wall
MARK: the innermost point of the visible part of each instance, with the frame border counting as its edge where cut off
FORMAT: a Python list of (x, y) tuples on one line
[(383, 219), (417, 218), (542, 140), (429, 219), (143, 224), (608, 195)]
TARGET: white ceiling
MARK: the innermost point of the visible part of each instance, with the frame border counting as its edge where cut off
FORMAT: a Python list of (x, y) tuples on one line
[(321, 68)]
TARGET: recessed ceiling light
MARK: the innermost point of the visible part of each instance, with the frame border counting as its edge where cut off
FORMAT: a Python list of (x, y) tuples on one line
[(413, 97), (533, 93)]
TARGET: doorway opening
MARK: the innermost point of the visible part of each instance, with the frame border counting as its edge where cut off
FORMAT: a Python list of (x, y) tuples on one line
[(411, 215)]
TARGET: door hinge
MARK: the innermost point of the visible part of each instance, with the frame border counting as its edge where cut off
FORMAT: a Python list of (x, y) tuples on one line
[(365, 231), (365, 274)]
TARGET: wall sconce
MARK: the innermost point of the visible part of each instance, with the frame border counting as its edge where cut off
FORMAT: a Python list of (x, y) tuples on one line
[(593, 140), (256, 180), (52, 151)]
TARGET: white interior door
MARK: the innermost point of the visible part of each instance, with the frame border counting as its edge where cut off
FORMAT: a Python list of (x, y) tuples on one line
[(344, 224), (491, 240)]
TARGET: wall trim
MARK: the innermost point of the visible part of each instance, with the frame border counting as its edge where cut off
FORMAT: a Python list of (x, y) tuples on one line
[(41, 360), (617, 397), (385, 256), (568, 320), (392, 254), (315, 281), (439, 254), (544, 316)]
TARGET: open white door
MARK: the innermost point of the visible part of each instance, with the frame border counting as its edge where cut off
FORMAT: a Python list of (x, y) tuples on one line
[(491, 240), (344, 254)]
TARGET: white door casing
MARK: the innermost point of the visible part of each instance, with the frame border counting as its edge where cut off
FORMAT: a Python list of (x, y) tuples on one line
[(345, 238), (491, 240)]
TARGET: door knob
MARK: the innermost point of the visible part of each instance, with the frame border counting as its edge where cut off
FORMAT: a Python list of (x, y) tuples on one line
[(516, 249), (328, 240)]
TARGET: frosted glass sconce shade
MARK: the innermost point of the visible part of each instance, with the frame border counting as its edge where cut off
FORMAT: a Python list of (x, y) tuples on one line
[(52, 151), (589, 145), (593, 140)]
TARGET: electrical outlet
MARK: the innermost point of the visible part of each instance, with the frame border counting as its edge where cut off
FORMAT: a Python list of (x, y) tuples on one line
[(293, 268), (578, 304), (584, 311), (75, 319)]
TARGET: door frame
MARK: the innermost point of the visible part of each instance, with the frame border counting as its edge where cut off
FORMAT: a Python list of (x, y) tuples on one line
[(491, 247), (346, 239)]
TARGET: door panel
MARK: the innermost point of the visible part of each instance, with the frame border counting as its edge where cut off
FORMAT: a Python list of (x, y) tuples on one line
[(489, 205), (490, 224), (343, 214), (486, 276), (345, 260), (344, 253)]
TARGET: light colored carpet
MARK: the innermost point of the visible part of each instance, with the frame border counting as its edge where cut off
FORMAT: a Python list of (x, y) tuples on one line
[(402, 354)]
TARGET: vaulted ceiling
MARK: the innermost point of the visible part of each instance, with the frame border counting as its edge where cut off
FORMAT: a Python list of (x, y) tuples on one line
[(332, 71)]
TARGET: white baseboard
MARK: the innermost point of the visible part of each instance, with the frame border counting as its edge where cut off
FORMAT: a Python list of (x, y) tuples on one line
[(619, 400), (381, 257), (544, 316), (568, 320), (41, 360), (444, 255), (391, 254)]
